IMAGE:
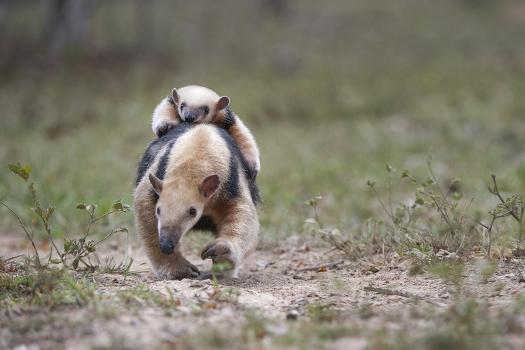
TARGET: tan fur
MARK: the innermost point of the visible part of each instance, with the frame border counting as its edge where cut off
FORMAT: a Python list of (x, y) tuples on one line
[(165, 114), (197, 154)]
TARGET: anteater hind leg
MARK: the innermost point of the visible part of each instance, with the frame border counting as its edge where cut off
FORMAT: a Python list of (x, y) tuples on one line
[(237, 236)]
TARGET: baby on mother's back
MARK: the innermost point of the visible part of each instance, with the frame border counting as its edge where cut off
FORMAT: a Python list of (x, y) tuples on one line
[(195, 176)]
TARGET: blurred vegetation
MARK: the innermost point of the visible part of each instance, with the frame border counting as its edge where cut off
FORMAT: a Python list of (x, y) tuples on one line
[(333, 92)]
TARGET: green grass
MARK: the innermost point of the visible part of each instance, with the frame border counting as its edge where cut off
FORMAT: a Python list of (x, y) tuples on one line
[(48, 288), (333, 91), (350, 105)]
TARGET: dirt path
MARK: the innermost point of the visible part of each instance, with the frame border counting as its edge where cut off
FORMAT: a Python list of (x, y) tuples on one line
[(282, 285)]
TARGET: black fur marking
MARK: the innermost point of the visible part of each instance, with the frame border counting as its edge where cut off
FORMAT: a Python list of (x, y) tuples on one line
[(229, 119), (163, 130), (154, 196), (205, 223), (236, 157), (163, 163), (155, 147), (232, 184)]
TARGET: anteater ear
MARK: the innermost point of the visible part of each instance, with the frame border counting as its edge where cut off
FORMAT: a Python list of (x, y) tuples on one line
[(175, 96), (209, 185), (223, 102), (156, 183)]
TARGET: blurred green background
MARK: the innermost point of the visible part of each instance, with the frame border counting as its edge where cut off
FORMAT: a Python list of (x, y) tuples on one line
[(332, 90)]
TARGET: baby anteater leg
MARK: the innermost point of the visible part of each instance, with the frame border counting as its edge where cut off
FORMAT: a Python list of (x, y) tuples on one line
[(237, 236), (247, 145), (165, 117)]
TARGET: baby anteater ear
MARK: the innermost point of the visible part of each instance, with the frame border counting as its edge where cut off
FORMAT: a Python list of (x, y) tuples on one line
[(156, 183), (209, 185), (175, 96), (222, 103)]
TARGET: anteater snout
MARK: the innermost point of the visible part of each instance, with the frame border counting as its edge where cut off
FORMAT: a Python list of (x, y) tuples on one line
[(168, 240), (166, 245), (190, 116)]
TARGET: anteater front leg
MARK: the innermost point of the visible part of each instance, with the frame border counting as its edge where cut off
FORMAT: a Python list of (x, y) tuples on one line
[(172, 266), (166, 266), (237, 236)]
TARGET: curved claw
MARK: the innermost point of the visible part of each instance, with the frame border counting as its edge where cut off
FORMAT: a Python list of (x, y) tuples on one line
[(163, 129), (215, 249)]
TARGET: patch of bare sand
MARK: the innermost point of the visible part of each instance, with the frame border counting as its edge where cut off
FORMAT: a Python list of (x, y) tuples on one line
[(274, 282)]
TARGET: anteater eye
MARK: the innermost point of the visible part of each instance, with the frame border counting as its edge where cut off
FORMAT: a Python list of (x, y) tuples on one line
[(206, 110), (158, 211), (182, 105), (192, 212)]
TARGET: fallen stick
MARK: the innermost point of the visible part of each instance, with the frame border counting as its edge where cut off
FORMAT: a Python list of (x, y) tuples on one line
[(322, 266), (403, 294)]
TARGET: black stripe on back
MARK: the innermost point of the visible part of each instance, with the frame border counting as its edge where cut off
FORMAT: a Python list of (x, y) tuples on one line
[(232, 184), (163, 163), (155, 147)]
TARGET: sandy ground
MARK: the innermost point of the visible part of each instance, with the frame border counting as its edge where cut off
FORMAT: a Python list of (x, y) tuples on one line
[(280, 284)]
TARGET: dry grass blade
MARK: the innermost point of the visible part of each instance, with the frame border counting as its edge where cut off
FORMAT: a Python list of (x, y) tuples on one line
[(385, 291), (322, 266)]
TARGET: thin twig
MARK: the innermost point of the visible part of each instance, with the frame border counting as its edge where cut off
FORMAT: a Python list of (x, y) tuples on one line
[(50, 238), (94, 219), (402, 294), (431, 171), (26, 232), (13, 257), (322, 266), (496, 192), (383, 205), (103, 239)]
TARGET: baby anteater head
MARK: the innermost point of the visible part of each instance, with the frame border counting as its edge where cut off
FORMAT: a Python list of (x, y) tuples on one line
[(198, 104), (179, 207)]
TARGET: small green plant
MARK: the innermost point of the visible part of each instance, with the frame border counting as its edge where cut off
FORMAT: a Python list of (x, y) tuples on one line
[(142, 295), (321, 312), (122, 268), (74, 250), (438, 224), (436, 220), (514, 207), (219, 293), (441, 220), (80, 248), (372, 238), (47, 287)]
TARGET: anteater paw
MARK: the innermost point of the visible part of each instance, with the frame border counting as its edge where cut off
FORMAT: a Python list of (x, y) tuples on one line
[(255, 166), (162, 129), (220, 251), (177, 271)]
